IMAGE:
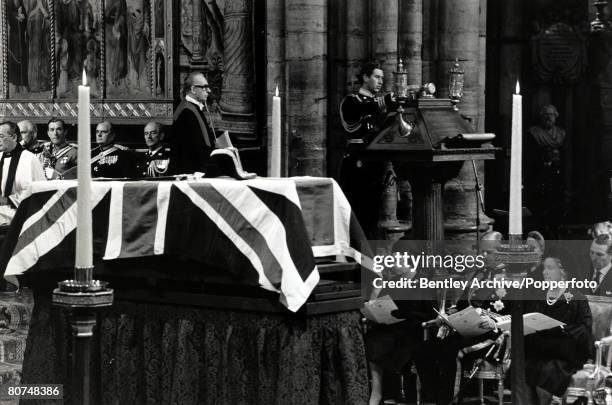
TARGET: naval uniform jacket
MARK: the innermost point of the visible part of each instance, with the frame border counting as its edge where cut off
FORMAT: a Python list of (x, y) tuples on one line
[(59, 162), (154, 163), (114, 162), (362, 116)]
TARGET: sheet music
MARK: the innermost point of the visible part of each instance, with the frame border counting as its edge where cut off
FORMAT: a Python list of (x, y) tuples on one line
[(379, 310), (466, 322), (532, 322)]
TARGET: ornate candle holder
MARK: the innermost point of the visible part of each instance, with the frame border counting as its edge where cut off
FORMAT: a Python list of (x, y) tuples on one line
[(518, 258), (81, 296), (455, 84), (600, 23)]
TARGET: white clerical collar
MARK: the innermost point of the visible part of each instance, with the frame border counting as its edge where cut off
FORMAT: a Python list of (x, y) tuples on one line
[(192, 100)]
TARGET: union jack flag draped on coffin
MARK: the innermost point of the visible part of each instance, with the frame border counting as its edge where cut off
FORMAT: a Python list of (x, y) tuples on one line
[(273, 226)]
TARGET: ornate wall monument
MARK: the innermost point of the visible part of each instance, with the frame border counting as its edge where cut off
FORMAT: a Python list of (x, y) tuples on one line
[(124, 47)]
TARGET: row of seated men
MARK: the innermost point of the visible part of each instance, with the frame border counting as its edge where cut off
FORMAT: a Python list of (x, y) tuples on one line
[(108, 159), (24, 159), (552, 356)]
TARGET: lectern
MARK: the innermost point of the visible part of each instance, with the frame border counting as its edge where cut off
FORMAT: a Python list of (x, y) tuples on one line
[(429, 141)]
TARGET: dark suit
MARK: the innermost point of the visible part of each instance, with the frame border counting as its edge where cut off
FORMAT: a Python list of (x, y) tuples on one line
[(192, 140), (604, 288)]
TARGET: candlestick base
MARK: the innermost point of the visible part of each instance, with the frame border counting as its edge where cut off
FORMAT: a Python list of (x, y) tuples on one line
[(74, 294), (518, 258), (83, 291), (81, 297)]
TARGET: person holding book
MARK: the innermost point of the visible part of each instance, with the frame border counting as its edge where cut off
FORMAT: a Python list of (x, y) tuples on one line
[(391, 347), (436, 358), (552, 356)]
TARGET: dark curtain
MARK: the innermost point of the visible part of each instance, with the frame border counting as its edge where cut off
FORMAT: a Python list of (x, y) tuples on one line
[(162, 354)]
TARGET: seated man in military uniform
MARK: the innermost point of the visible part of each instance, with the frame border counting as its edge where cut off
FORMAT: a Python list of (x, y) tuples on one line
[(109, 159), (29, 137), (59, 158), (155, 161)]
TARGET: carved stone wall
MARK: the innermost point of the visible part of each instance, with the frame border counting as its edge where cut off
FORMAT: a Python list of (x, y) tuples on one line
[(123, 47), (217, 38)]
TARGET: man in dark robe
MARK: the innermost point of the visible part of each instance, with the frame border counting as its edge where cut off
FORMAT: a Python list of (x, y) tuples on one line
[(192, 135)]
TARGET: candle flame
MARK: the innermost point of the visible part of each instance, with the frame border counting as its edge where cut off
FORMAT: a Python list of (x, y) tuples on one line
[(518, 88), (276, 94), (84, 78)]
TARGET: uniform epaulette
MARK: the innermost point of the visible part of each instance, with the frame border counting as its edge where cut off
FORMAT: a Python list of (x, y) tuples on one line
[(121, 147), (356, 96)]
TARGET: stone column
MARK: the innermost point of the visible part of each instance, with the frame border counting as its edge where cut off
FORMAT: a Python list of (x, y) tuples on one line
[(384, 38), (411, 38), (306, 66), (357, 41), (430, 41), (348, 47), (600, 49), (237, 93), (460, 37), (275, 72), (197, 56)]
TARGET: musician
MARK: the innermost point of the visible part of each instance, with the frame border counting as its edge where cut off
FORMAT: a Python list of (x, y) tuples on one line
[(18, 169), (362, 115), (29, 137), (156, 160), (192, 134), (59, 158), (109, 159)]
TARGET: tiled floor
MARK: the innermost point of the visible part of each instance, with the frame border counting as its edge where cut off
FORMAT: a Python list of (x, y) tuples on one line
[(15, 314)]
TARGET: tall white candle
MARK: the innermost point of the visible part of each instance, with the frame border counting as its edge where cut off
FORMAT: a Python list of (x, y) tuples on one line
[(516, 177), (275, 141), (84, 238)]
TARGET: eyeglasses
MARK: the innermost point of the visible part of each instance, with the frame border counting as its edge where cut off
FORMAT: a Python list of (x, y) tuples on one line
[(202, 86), (151, 133)]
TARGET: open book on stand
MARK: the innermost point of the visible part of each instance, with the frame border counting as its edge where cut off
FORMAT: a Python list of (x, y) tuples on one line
[(466, 322), (227, 159)]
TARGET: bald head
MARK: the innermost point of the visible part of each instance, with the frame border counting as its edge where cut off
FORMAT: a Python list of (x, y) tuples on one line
[(29, 133)]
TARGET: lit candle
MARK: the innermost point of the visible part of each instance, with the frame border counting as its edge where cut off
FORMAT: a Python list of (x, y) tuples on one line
[(275, 141), (84, 255), (516, 209)]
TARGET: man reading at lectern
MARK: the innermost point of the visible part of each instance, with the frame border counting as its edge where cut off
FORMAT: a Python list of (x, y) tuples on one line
[(362, 115), (192, 136)]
